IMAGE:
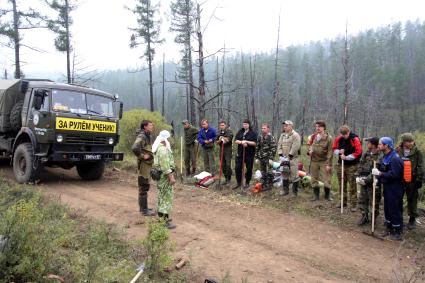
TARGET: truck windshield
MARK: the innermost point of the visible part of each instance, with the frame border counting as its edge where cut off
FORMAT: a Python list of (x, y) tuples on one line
[(82, 103)]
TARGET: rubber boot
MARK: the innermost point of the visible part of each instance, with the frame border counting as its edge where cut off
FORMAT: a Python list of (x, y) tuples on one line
[(316, 191), (387, 232), (193, 171), (412, 223), (187, 172), (396, 234), (237, 186), (285, 188), (327, 194), (168, 222), (363, 220), (295, 188), (143, 203)]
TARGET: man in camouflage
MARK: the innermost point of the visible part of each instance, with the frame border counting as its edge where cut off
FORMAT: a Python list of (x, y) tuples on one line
[(142, 148), (265, 151), (190, 148), (365, 180), (289, 145), (409, 151), (320, 152), (224, 140)]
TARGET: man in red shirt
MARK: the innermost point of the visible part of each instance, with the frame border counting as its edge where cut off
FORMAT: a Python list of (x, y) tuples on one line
[(347, 147)]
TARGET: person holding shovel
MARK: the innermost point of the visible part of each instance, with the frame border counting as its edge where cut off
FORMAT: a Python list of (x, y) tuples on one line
[(348, 148), (206, 138), (246, 139), (163, 158), (410, 154), (224, 141), (320, 152), (265, 151), (390, 175), (190, 146), (365, 180)]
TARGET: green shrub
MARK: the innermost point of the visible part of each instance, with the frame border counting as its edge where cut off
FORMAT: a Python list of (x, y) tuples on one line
[(130, 125), (44, 237)]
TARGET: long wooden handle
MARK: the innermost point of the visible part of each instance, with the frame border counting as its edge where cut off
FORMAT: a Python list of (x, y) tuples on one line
[(373, 198), (342, 186), (181, 156)]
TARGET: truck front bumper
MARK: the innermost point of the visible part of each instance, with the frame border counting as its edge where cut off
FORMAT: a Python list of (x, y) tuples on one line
[(86, 156)]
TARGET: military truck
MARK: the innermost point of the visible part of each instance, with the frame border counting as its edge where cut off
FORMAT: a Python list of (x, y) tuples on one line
[(44, 123)]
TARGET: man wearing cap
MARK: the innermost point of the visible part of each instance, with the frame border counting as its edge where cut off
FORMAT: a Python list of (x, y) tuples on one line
[(224, 140), (206, 138), (365, 180), (265, 151), (190, 135), (320, 152), (390, 175), (289, 145), (409, 152), (347, 147)]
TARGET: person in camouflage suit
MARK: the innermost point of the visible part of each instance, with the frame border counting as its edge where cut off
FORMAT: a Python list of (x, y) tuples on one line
[(142, 148), (224, 139), (190, 148), (365, 180), (409, 151), (163, 158), (265, 151)]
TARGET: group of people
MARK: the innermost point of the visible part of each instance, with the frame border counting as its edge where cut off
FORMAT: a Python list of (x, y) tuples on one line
[(382, 169)]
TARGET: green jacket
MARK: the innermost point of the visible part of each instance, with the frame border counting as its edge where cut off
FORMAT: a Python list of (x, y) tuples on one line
[(415, 157), (228, 135), (143, 145), (365, 166), (190, 135), (322, 148), (266, 147)]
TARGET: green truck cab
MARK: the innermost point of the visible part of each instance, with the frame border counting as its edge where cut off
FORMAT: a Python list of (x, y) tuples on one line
[(44, 123)]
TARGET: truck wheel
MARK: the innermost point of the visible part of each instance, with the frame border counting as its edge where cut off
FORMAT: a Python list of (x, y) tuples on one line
[(91, 171), (23, 164), (16, 116)]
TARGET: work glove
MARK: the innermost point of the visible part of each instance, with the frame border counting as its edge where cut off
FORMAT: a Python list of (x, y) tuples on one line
[(360, 181), (349, 157), (376, 172), (257, 161), (336, 152)]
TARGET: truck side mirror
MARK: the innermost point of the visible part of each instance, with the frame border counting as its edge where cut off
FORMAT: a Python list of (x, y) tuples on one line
[(121, 109), (39, 96)]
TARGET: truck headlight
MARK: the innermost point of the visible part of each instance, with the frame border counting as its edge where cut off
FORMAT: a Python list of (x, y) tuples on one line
[(59, 138), (111, 141)]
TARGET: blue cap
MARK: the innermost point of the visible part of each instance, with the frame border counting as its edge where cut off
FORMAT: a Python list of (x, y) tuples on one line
[(387, 141)]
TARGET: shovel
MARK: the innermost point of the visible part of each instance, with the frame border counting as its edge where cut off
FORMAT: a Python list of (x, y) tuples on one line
[(372, 230), (221, 165), (140, 270), (181, 159), (342, 186)]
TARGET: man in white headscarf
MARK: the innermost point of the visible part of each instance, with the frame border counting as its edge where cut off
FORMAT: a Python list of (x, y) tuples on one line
[(163, 158)]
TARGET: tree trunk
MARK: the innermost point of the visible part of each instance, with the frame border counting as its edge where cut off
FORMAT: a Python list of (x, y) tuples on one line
[(346, 62), (163, 85), (252, 98), (68, 44), (16, 40), (201, 64), (276, 91)]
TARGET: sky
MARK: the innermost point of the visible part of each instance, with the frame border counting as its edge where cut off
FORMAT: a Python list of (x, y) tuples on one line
[(101, 29)]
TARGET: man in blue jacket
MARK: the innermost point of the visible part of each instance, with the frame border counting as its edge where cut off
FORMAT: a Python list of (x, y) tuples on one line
[(390, 175), (206, 137)]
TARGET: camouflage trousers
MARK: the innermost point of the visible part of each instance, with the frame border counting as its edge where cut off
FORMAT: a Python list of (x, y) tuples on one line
[(318, 173), (350, 172), (165, 195), (365, 199), (266, 172)]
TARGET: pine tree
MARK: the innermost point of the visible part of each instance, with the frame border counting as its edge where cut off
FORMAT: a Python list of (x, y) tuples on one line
[(147, 33)]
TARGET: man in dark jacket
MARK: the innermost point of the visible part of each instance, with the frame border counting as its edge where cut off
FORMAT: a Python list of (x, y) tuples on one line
[(224, 140), (246, 139), (409, 152), (206, 138), (190, 135), (390, 175), (348, 147)]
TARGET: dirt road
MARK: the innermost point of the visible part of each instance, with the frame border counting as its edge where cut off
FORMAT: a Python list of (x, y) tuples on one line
[(246, 241)]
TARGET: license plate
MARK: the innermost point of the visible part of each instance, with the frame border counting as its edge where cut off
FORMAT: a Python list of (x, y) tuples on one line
[(92, 157)]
